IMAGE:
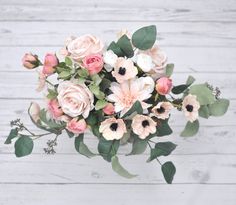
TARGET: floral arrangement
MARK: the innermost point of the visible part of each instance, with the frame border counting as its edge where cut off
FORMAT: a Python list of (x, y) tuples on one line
[(122, 94)]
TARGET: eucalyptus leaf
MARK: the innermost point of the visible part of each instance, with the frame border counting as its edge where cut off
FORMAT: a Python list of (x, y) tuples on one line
[(169, 69), (68, 61), (144, 38), (125, 46), (116, 166), (219, 107), (168, 170), (100, 104), (191, 129), (139, 146), (116, 49), (83, 72), (137, 107), (64, 74), (52, 94), (23, 146), (179, 89), (190, 80), (69, 133), (204, 111), (13, 134)]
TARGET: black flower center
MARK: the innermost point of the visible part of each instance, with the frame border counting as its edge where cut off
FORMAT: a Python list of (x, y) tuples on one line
[(161, 110), (114, 126), (189, 108), (122, 71), (145, 123)]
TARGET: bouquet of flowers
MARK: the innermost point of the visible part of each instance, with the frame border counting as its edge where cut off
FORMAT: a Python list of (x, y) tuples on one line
[(122, 94)]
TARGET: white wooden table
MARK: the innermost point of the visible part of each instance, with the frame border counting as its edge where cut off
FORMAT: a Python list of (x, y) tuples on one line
[(198, 36)]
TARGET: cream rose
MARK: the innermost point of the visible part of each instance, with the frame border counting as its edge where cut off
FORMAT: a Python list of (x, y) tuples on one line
[(75, 99), (82, 46)]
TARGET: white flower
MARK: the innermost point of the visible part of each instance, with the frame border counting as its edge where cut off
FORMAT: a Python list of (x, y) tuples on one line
[(112, 129), (127, 93), (144, 61), (190, 107), (162, 110), (75, 99), (109, 58), (143, 126)]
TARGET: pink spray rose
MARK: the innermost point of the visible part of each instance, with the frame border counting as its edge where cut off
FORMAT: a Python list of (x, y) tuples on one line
[(77, 127), (93, 63), (109, 109), (54, 109), (80, 47), (163, 85), (50, 61), (30, 61)]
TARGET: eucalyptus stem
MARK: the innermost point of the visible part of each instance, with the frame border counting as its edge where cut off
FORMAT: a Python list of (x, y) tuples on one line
[(150, 149)]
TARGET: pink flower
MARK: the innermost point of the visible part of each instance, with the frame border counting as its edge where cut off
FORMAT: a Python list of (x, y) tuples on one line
[(54, 109), (75, 99), (77, 127), (163, 85), (50, 61), (80, 47), (41, 81), (93, 63), (124, 70), (30, 61), (34, 111), (109, 109)]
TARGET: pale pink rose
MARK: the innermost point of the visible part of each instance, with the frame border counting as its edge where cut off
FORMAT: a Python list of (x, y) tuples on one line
[(109, 109), (124, 70), (163, 85), (76, 126), (34, 111), (30, 61), (75, 99), (93, 63), (143, 126), (112, 129), (54, 109), (41, 81), (50, 61), (83, 46)]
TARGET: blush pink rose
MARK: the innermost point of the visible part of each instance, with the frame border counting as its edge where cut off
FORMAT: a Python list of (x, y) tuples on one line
[(109, 109), (50, 61), (93, 63), (54, 109), (163, 85), (77, 127), (30, 61), (80, 47)]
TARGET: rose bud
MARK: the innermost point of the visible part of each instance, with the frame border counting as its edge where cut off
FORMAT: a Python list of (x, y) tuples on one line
[(54, 109), (163, 85), (109, 109), (50, 62), (34, 111), (76, 127), (30, 61), (93, 63)]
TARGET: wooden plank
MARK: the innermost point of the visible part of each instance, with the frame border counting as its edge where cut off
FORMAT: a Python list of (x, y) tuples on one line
[(198, 34), (13, 86), (209, 140), (204, 60), (161, 10), (36, 194)]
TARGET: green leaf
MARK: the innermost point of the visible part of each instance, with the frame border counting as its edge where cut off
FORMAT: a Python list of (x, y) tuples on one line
[(82, 148), (52, 94), (190, 80), (204, 111), (161, 149), (179, 89), (219, 107), (100, 104), (64, 74), (23, 146), (70, 134), (13, 134), (96, 79), (96, 91), (139, 145), (83, 72), (191, 129), (68, 61), (125, 46), (203, 93), (108, 148), (116, 49), (95, 130), (169, 69), (168, 170), (163, 129), (144, 38), (116, 166), (137, 107)]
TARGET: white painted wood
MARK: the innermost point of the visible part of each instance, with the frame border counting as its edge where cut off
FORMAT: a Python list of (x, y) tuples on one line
[(198, 36)]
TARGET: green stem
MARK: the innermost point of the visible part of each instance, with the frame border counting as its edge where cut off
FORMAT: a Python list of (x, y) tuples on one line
[(150, 149)]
